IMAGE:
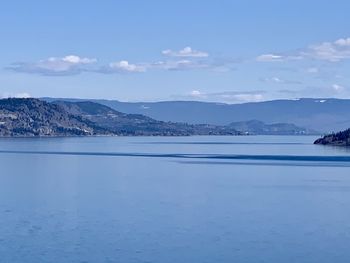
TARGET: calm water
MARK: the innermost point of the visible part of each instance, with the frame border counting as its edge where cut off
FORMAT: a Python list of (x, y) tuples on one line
[(179, 200)]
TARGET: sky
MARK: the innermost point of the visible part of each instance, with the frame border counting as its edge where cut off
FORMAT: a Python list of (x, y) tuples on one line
[(223, 51)]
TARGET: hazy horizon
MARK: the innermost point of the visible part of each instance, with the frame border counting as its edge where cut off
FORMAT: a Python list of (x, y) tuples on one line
[(318, 99)]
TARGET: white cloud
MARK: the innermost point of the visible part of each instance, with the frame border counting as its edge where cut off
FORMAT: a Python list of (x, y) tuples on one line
[(278, 80), (338, 88), (125, 66), (23, 95), (246, 98), (184, 64), (197, 94), (185, 59), (78, 60), (216, 64), (328, 51), (312, 70), (186, 52), (343, 42), (227, 97), (269, 58), (68, 65)]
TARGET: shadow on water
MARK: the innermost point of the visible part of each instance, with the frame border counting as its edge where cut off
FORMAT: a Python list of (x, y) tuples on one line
[(223, 143), (268, 163), (280, 160)]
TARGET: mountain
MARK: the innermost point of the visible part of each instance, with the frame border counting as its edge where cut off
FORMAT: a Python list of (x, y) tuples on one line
[(258, 127), (137, 124), (324, 115), (338, 139), (33, 117)]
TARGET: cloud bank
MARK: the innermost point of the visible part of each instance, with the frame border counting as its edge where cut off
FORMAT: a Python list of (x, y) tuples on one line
[(184, 59), (327, 51), (122, 66), (226, 96), (186, 52), (22, 95), (54, 66)]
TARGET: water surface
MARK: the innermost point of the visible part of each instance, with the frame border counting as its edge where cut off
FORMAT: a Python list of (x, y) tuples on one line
[(166, 200)]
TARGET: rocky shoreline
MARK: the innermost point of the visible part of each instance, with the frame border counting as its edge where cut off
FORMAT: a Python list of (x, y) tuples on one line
[(337, 139)]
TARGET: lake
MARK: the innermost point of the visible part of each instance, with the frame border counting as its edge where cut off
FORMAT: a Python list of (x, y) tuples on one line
[(174, 200)]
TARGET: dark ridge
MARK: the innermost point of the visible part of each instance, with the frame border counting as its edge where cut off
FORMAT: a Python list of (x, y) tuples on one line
[(337, 139), (33, 117)]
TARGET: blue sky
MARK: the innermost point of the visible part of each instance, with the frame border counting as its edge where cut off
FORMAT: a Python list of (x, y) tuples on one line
[(225, 51)]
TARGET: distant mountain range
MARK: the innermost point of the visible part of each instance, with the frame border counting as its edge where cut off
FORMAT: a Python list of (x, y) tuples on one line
[(136, 124), (51, 117), (323, 115), (261, 128), (33, 117)]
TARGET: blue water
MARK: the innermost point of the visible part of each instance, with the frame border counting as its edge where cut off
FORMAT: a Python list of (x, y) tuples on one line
[(179, 200)]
